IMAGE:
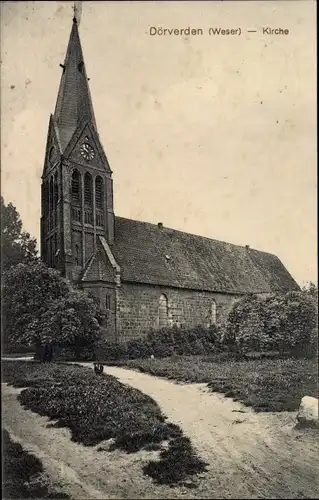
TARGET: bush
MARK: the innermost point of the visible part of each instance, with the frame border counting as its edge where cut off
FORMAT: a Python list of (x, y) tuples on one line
[(110, 351), (176, 464), (278, 322), (40, 307), (162, 343)]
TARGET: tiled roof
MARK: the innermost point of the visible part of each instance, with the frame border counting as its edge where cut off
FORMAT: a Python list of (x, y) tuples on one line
[(74, 104), (162, 256), (98, 268)]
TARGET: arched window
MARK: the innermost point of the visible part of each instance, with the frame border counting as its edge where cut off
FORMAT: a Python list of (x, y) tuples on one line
[(88, 195), (99, 197), (51, 204), (76, 196), (56, 192), (163, 311), (75, 187), (108, 302), (213, 313), (51, 194), (88, 199), (99, 192), (77, 255)]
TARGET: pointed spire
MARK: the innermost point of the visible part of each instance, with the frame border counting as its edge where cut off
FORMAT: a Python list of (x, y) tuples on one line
[(74, 103), (74, 13)]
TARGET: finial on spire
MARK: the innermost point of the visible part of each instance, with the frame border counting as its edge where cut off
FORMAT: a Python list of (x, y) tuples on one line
[(77, 9)]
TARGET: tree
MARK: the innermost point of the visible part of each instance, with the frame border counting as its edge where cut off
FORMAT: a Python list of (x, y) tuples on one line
[(69, 321), (311, 289), (243, 331), (284, 322), (16, 244), (290, 321), (41, 307)]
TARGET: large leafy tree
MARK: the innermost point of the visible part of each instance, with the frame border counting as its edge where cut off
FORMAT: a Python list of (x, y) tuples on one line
[(16, 244), (311, 289), (280, 321), (70, 321), (39, 307)]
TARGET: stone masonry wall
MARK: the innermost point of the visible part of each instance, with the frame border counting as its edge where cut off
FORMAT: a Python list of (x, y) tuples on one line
[(106, 296), (138, 308)]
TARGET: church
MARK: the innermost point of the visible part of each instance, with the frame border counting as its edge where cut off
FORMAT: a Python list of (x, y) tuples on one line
[(146, 276)]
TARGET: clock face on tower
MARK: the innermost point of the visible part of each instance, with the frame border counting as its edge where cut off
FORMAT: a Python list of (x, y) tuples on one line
[(87, 151)]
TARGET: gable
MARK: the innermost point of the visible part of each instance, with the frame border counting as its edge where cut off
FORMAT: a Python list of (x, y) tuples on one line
[(98, 269), (53, 149), (163, 256), (86, 134)]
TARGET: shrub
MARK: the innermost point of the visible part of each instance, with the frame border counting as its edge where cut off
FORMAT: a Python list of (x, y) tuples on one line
[(176, 464), (41, 307), (278, 322), (162, 343), (289, 320), (110, 351), (139, 348)]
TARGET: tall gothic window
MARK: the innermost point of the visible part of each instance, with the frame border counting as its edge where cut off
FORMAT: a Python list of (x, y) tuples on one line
[(55, 198), (88, 199), (213, 313), (88, 194), (75, 187), (46, 199), (99, 197), (99, 192), (56, 190), (108, 302), (45, 205), (163, 311), (77, 255), (51, 194), (51, 202), (76, 196)]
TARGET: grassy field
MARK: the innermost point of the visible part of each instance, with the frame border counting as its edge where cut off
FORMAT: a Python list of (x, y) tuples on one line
[(264, 384), (23, 473), (97, 408)]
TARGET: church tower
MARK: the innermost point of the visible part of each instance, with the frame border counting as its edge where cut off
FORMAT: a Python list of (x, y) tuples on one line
[(77, 190)]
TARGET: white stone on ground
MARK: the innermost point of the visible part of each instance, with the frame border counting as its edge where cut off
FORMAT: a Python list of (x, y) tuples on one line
[(308, 411)]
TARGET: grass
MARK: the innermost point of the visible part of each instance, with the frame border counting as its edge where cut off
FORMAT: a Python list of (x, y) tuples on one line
[(23, 473), (264, 384), (97, 408)]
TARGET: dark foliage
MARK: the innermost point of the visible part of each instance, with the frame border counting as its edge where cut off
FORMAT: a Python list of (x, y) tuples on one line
[(23, 473), (278, 322), (163, 343), (177, 464), (16, 245), (40, 307)]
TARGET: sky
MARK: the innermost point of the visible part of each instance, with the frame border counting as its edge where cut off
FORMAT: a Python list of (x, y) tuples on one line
[(212, 135)]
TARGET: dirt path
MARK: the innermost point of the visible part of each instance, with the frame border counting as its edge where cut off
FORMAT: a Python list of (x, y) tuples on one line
[(250, 455)]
